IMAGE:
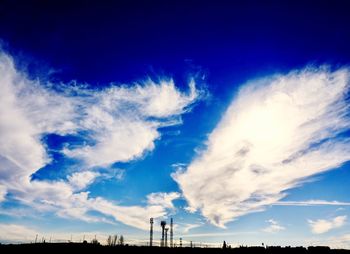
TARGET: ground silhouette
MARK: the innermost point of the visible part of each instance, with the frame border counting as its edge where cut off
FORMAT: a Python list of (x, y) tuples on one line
[(83, 248)]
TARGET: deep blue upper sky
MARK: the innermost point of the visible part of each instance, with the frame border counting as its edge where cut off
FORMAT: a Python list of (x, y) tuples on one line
[(222, 45), (125, 40)]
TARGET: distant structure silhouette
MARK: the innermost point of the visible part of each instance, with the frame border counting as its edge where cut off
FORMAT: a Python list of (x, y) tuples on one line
[(166, 237), (162, 224), (224, 245), (180, 242), (171, 233), (151, 232)]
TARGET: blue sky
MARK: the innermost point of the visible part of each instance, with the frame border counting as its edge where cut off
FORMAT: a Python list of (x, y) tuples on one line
[(230, 118)]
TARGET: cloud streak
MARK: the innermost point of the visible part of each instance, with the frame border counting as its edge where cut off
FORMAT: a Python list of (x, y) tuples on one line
[(311, 203), (277, 132)]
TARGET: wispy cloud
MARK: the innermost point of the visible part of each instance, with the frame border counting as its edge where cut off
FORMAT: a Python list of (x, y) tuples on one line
[(274, 227), (2, 193), (163, 198), (135, 215), (80, 180), (311, 203), (119, 123), (322, 226), (119, 116), (184, 228), (276, 133), (215, 234), (119, 174)]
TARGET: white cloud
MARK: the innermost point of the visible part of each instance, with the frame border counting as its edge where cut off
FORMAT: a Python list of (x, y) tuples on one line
[(113, 118), (120, 123), (311, 203), (162, 198), (322, 226), (190, 209), (276, 133), (135, 216), (120, 116), (274, 227), (80, 180)]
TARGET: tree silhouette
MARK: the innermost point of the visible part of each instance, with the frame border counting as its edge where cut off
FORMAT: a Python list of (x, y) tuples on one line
[(109, 240), (112, 240), (121, 240), (95, 241)]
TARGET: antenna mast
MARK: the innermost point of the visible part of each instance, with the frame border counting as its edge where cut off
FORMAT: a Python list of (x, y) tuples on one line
[(171, 233), (151, 232)]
